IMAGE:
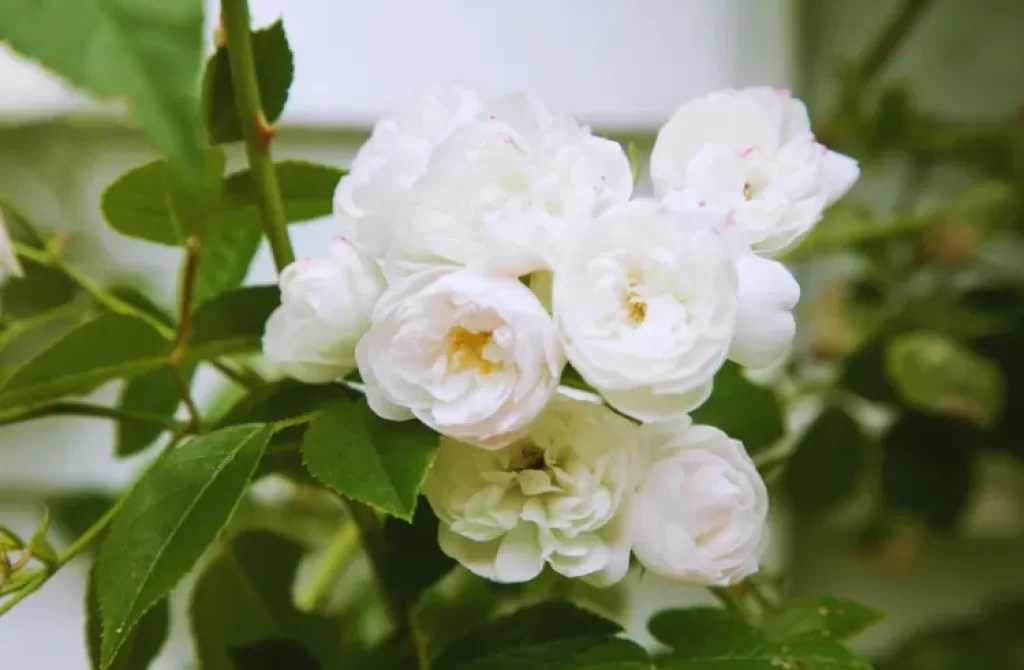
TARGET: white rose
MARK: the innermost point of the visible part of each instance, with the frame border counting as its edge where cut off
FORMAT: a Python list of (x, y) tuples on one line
[(392, 159), (558, 497), (645, 300), (325, 308), (472, 356), (764, 323), (9, 265), (700, 515), (500, 192), (750, 153)]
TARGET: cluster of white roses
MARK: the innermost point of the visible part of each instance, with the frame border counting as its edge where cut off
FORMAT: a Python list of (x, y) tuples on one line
[(487, 243)]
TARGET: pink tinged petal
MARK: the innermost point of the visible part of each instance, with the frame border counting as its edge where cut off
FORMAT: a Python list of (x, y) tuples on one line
[(519, 556), (841, 173)]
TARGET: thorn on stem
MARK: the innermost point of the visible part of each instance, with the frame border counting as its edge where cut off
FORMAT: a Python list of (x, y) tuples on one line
[(220, 40), (264, 131)]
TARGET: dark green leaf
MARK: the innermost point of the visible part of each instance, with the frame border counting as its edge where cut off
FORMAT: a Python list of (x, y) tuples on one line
[(227, 254), (110, 347), (364, 457), (232, 323), (594, 652), (244, 598), (142, 645), (936, 374), (818, 618), (167, 521), (826, 465), (274, 70), (527, 632), (745, 411), (927, 467), (153, 393), (409, 580), (41, 289), (153, 203), (307, 190), (273, 655), (75, 513), (709, 639), (148, 53), (865, 374)]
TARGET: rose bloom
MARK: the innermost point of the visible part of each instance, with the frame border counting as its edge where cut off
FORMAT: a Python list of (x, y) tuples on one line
[(765, 326), (700, 514), (325, 309), (646, 300), (555, 497), (472, 356), (750, 154)]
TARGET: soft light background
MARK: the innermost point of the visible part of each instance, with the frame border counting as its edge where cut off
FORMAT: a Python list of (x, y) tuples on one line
[(621, 66)]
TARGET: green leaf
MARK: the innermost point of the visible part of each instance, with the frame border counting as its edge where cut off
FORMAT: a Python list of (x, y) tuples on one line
[(364, 457), (936, 374), (42, 289), (168, 519), (75, 513), (524, 632), (227, 254), (148, 53), (826, 465), (865, 375), (153, 203), (819, 618), (575, 653), (307, 190), (928, 466), (408, 580), (153, 393), (274, 71), (710, 639), (107, 348), (273, 655), (142, 645), (745, 411), (244, 598), (232, 323)]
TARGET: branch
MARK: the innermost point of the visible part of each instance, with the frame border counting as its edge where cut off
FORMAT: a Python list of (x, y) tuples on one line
[(255, 130), (183, 333), (71, 408), (892, 35)]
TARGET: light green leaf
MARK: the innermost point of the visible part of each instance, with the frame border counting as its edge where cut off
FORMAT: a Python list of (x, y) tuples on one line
[(146, 52), (274, 71), (245, 597), (527, 632), (232, 323), (141, 647), (745, 411), (824, 469), (936, 374), (151, 202), (819, 618), (154, 393), (168, 519), (307, 189), (708, 639), (110, 347), (227, 254), (364, 457)]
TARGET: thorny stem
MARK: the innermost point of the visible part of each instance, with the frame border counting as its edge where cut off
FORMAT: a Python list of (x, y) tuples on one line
[(255, 130), (183, 333)]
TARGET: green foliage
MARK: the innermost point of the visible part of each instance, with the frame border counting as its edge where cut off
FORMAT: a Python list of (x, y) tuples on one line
[(819, 618), (244, 598), (166, 522), (409, 580), (307, 190), (936, 374), (153, 393), (274, 72), (141, 646), (745, 411), (826, 464), (927, 467), (41, 290), (148, 53), (153, 203), (543, 637), (107, 348), (705, 638), (364, 457), (232, 323)]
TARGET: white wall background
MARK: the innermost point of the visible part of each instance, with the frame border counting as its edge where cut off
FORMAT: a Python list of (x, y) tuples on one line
[(617, 65)]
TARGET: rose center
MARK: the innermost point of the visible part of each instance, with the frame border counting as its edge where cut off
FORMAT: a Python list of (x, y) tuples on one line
[(748, 191), (466, 350), (530, 458), (636, 307)]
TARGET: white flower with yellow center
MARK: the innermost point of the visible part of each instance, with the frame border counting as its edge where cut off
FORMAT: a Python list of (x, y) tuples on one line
[(750, 154), (556, 497), (471, 356), (646, 300)]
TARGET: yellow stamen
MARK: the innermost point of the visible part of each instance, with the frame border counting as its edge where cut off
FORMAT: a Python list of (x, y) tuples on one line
[(748, 191), (465, 350)]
